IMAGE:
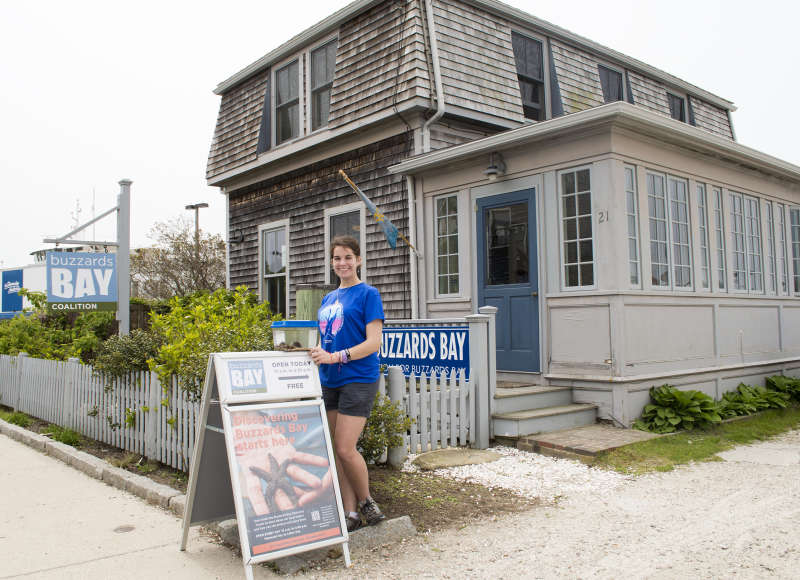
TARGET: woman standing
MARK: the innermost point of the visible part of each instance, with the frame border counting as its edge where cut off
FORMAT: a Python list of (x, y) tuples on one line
[(350, 326)]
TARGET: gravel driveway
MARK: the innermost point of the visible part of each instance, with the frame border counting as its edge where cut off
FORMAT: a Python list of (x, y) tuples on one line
[(736, 518)]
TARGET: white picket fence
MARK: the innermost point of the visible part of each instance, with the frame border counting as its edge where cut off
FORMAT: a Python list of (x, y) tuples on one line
[(134, 414), (137, 415), (443, 409)]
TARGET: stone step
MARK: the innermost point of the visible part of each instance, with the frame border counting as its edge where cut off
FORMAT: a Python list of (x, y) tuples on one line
[(524, 398), (519, 423)]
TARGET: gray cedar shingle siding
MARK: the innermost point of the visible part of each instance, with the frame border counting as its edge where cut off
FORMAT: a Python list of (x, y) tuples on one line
[(477, 61), (380, 61), (652, 95), (303, 195), (236, 135), (711, 118), (578, 78)]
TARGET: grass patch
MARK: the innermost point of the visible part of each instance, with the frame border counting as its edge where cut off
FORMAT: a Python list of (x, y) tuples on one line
[(64, 435), (17, 418), (664, 453)]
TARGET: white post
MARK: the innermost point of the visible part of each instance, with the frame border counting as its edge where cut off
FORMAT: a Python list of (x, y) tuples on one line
[(491, 312), (20, 363), (396, 389), (68, 402), (124, 257), (478, 359)]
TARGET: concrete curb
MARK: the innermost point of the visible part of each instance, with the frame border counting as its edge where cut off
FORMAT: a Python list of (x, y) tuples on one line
[(387, 532), (138, 485)]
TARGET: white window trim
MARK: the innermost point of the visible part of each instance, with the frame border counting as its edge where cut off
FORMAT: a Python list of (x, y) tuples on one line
[(671, 287), (307, 59), (362, 238), (637, 217), (780, 232), (744, 197), (435, 244), (562, 277), (715, 248), (793, 273), (697, 231), (621, 71), (545, 71), (273, 96), (269, 227), (685, 98)]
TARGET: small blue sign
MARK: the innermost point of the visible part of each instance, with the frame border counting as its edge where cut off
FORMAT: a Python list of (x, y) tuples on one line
[(12, 284), (247, 377), (81, 281), (432, 350)]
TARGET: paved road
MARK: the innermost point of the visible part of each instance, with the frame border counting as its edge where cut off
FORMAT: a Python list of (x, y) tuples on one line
[(731, 519), (58, 523)]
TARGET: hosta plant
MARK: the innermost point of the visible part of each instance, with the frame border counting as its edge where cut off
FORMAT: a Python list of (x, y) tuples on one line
[(672, 409), (788, 385), (746, 400)]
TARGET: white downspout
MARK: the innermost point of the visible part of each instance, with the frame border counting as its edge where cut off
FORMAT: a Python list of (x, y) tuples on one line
[(437, 76), (412, 255)]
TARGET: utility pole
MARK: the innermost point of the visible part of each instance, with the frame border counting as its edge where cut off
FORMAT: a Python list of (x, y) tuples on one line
[(196, 207)]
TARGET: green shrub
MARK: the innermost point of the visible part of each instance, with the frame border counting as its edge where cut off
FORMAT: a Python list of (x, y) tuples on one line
[(20, 419), (197, 325), (788, 385), (64, 435), (120, 355), (385, 428), (55, 335), (672, 409), (746, 400)]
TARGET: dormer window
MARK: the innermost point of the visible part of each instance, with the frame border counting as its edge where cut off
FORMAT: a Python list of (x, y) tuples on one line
[(287, 102), (611, 81), (677, 107), (323, 62), (530, 73)]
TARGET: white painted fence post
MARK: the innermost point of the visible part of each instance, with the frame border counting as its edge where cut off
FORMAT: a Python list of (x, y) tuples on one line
[(491, 312), (20, 364), (396, 389), (68, 401), (153, 398), (478, 358)]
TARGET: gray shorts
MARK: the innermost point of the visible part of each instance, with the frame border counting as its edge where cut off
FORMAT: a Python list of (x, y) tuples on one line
[(354, 399)]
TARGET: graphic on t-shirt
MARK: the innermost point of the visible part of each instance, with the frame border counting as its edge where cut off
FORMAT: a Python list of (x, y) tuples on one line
[(331, 319)]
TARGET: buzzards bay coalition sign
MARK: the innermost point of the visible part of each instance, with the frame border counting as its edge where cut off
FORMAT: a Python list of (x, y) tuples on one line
[(81, 281)]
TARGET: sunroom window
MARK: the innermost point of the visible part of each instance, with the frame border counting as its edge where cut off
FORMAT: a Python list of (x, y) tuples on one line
[(576, 229), (447, 245), (670, 247), (747, 267)]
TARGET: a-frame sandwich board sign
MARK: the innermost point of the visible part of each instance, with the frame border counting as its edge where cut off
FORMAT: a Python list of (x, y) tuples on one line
[(261, 413)]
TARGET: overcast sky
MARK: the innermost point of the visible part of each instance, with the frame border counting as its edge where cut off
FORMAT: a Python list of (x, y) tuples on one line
[(93, 92)]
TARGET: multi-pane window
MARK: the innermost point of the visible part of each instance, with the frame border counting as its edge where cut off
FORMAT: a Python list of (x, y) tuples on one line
[(633, 224), (287, 102), (274, 256), (576, 228), (702, 214), (677, 107), (611, 82), (746, 243), (772, 272), (783, 279), (323, 62), (719, 234), (347, 223), (670, 248), (794, 221), (447, 244), (530, 73)]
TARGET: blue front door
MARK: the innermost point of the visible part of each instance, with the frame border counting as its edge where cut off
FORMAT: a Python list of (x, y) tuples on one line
[(508, 276)]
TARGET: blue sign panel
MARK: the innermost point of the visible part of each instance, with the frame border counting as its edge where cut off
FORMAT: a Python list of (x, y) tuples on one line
[(247, 376), (12, 283), (78, 281), (426, 350)]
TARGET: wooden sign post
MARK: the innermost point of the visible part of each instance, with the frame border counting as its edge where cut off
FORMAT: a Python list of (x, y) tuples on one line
[(262, 414)]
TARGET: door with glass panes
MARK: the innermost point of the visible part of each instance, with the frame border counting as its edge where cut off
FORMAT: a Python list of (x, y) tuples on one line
[(508, 276)]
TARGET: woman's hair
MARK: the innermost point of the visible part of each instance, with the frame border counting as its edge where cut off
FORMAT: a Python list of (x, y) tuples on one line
[(346, 242)]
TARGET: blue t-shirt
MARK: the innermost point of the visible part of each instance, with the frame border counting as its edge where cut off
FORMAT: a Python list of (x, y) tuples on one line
[(343, 318)]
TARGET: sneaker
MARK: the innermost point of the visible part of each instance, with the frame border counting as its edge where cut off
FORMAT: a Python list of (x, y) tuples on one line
[(371, 512), (353, 523)]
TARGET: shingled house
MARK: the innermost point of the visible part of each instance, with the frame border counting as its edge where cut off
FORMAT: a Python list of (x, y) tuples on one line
[(601, 204)]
